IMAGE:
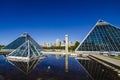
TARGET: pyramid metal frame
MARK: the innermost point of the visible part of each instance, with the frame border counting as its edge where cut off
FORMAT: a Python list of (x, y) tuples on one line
[(25, 52), (19, 41), (100, 22)]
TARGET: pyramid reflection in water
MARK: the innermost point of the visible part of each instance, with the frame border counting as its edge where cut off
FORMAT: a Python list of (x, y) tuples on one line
[(25, 67)]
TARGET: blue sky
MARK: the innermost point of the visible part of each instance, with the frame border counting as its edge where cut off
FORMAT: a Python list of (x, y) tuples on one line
[(46, 20)]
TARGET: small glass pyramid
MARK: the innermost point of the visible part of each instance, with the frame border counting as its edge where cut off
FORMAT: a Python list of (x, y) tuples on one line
[(19, 41), (26, 51)]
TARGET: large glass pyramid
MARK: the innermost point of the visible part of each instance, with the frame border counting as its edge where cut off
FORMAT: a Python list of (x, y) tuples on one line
[(27, 50), (103, 37)]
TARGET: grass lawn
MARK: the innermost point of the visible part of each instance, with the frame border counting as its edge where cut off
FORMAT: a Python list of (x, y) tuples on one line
[(117, 57)]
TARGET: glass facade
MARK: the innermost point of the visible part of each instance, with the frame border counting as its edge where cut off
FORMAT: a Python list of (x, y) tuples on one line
[(20, 40), (28, 49), (16, 43), (103, 37), (24, 46)]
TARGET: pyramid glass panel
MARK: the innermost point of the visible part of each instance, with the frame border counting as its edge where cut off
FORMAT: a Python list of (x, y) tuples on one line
[(20, 40), (21, 51), (34, 49), (16, 43), (103, 37), (27, 50)]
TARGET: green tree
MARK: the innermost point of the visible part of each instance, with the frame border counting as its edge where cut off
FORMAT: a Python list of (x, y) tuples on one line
[(1, 46), (77, 44), (72, 48)]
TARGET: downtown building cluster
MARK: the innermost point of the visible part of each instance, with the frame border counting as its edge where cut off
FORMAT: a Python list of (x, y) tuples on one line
[(57, 43)]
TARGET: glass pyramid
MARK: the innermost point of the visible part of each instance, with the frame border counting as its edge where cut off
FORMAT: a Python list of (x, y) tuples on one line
[(103, 37), (19, 41), (26, 51)]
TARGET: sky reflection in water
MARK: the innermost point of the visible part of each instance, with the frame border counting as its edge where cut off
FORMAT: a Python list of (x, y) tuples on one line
[(50, 68)]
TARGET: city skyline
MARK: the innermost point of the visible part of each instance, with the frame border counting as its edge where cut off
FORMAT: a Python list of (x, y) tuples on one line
[(58, 42), (46, 20)]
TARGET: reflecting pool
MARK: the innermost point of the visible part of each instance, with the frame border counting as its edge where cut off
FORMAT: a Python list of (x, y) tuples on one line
[(50, 68)]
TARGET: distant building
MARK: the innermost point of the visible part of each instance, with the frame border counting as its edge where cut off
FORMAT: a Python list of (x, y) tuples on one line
[(54, 44), (44, 44), (71, 44), (50, 45), (63, 43), (58, 42)]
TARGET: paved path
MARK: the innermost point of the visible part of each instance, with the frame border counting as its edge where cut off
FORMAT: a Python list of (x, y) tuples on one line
[(108, 59), (60, 53)]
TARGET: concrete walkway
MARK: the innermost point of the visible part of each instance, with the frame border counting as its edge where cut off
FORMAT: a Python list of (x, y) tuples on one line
[(107, 59)]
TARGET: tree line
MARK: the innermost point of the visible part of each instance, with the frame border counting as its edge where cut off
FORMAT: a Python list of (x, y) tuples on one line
[(1, 46)]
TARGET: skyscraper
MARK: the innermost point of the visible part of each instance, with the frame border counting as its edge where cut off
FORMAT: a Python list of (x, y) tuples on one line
[(58, 42)]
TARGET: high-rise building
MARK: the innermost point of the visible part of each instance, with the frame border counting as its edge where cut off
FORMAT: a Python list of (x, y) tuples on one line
[(58, 42), (63, 43), (44, 44), (103, 38), (71, 43), (51, 44)]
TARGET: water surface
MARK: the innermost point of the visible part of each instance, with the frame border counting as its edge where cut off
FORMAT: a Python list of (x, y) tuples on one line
[(50, 68)]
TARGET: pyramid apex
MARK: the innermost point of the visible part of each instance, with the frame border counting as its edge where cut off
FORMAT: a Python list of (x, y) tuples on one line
[(25, 34), (101, 22)]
